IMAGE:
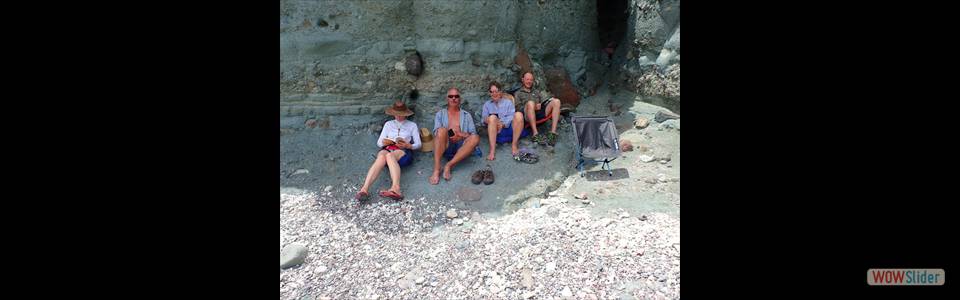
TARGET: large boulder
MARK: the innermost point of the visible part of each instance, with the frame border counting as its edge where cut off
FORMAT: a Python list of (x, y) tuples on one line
[(671, 50), (414, 64), (292, 255), (523, 60), (558, 83)]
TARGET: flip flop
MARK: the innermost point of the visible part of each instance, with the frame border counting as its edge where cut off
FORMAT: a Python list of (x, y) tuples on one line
[(527, 158), (362, 196), (525, 151), (532, 158), (391, 194)]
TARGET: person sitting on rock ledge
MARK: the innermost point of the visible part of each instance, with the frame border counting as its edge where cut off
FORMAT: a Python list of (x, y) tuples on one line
[(456, 136), (502, 120), (395, 151), (537, 104)]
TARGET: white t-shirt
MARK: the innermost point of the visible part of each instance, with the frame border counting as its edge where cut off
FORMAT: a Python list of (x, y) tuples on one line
[(407, 130)]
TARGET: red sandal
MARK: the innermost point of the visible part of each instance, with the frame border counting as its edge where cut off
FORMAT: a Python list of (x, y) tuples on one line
[(391, 194)]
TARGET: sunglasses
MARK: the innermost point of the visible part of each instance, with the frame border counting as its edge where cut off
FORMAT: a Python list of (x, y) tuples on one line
[(453, 96)]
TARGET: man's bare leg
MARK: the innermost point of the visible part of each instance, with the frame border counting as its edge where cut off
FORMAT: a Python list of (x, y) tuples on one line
[(492, 131), (439, 146), (530, 111), (553, 110), (469, 145)]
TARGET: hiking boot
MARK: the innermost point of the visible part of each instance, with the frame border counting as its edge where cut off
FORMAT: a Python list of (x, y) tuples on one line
[(488, 175), (552, 139), (477, 177), (539, 139)]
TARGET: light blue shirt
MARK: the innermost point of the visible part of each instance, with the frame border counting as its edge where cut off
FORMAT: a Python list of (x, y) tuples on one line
[(466, 121), (503, 108)]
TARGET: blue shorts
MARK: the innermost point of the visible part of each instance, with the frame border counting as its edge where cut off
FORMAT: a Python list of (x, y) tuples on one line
[(407, 157), (453, 147), (506, 134)]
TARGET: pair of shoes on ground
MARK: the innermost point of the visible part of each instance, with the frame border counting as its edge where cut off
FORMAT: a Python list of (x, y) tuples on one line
[(485, 176)]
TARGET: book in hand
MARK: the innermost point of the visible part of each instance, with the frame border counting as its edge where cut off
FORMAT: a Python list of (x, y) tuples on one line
[(389, 141)]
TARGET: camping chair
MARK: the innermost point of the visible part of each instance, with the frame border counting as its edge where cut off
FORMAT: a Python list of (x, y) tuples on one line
[(596, 140)]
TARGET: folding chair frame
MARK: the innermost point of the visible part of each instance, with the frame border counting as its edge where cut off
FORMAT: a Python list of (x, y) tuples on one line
[(581, 160)]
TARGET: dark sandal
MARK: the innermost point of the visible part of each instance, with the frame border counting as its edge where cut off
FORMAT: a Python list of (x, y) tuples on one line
[(532, 158), (527, 157)]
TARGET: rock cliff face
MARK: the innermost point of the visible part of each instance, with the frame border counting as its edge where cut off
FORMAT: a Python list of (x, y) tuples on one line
[(347, 60), (651, 63)]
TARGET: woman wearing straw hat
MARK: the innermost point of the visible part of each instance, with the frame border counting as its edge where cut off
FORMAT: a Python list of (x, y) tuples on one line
[(397, 141)]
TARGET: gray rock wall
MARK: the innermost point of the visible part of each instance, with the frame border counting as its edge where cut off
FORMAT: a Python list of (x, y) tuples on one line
[(346, 58), (651, 62)]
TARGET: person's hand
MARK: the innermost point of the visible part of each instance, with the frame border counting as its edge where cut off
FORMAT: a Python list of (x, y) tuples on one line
[(457, 137), (387, 142), (404, 145)]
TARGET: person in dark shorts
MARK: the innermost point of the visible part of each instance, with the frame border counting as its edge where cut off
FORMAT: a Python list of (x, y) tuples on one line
[(535, 105), (397, 142)]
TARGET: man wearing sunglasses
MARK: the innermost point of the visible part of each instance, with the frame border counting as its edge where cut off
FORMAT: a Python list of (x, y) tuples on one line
[(456, 136)]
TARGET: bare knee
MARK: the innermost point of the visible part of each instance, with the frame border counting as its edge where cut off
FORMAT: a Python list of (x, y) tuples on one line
[(441, 132), (530, 104), (382, 153), (492, 119)]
